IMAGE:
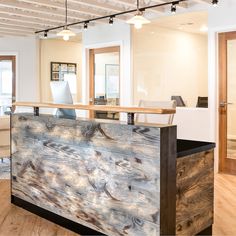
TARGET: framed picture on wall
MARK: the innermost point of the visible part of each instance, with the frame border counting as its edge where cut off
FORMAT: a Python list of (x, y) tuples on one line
[(55, 76), (72, 68), (64, 67), (112, 80), (55, 67), (62, 71)]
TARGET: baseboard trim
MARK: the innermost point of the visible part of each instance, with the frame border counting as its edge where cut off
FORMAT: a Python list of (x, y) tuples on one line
[(57, 219)]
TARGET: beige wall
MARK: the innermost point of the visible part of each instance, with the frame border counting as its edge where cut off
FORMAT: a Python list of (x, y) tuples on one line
[(54, 50), (169, 62)]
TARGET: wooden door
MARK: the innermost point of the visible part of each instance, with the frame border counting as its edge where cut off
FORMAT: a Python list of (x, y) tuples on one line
[(12, 61), (93, 100), (227, 102)]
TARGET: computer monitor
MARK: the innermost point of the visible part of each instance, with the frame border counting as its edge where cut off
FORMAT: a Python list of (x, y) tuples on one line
[(202, 102), (179, 101), (61, 95)]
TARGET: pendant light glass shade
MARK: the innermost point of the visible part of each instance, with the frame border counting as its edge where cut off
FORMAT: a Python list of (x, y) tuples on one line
[(66, 33), (138, 20)]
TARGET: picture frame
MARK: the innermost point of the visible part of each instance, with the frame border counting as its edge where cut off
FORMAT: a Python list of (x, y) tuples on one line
[(112, 80), (71, 68), (55, 67), (55, 76), (60, 69)]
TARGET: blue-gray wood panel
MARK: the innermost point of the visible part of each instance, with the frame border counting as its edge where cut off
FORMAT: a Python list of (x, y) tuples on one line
[(102, 175)]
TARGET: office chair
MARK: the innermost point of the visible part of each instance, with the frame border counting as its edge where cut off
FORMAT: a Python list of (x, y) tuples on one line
[(156, 118)]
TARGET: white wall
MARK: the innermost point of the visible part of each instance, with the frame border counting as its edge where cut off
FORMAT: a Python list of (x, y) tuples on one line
[(166, 62), (118, 34), (27, 66), (59, 51)]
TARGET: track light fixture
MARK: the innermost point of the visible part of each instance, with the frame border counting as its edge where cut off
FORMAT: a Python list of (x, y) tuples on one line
[(173, 8), (86, 25), (66, 33), (45, 35), (138, 20), (111, 20), (215, 2)]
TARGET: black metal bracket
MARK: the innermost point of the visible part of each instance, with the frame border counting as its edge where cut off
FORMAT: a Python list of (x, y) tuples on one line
[(36, 111), (130, 118)]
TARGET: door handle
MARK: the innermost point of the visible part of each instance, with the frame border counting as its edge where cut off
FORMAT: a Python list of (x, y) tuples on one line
[(223, 104)]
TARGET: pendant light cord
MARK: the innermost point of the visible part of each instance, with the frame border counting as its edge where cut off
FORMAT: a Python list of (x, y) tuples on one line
[(138, 5), (66, 11)]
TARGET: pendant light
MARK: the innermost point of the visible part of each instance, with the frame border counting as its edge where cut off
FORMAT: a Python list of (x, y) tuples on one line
[(66, 33), (138, 20)]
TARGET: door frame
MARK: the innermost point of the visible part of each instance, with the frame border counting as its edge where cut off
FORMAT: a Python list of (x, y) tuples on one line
[(226, 165), (92, 52), (13, 59)]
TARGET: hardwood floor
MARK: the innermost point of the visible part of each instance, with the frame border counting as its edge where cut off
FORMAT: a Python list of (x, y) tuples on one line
[(225, 205), (16, 221), (231, 148)]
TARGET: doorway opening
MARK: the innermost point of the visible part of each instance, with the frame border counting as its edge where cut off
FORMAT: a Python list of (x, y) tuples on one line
[(227, 98), (7, 96), (104, 80), (7, 83)]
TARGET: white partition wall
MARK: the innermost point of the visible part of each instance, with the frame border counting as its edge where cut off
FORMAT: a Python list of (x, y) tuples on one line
[(27, 65), (101, 36)]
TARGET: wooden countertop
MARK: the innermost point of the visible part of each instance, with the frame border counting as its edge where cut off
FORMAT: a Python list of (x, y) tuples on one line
[(99, 108)]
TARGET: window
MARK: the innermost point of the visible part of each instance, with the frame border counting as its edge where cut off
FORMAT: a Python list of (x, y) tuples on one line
[(6, 78)]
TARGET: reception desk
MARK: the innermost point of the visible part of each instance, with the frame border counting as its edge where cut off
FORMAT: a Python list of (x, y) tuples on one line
[(107, 178)]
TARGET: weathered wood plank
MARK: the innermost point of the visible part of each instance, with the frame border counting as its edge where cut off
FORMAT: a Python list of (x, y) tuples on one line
[(105, 176), (195, 193)]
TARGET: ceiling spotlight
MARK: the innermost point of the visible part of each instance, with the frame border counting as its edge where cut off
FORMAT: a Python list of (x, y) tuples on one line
[(45, 35), (173, 8), (111, 20), (86, 25), (215, 2), (138, 20)]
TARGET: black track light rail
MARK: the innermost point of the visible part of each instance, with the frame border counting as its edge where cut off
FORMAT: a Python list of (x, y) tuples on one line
[(113, 15)]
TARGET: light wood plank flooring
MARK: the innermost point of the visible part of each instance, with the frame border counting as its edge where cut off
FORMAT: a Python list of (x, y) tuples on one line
[(225, 205), (16, 221), (231, 149)]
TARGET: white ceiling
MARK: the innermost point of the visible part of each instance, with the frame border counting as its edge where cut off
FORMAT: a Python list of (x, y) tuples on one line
[(191, 22), (24, 17)]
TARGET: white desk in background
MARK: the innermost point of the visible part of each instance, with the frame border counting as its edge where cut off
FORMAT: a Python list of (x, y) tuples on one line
[(193, 123)]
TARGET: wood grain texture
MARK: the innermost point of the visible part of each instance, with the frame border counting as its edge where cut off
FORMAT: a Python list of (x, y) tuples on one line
[(195, 193), (104, 176), (142, 110), (168, 181), (225, 205), (226, 165), (224, 214), (16, 221)]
